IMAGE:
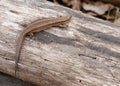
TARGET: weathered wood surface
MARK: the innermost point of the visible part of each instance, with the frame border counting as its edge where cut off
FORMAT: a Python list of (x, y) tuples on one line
[(87, 53)]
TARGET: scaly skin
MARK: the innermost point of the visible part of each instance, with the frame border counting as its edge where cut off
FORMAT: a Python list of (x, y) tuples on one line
[(37, 26)]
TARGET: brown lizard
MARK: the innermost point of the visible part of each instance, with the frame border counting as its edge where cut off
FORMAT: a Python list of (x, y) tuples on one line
[(37, 26)]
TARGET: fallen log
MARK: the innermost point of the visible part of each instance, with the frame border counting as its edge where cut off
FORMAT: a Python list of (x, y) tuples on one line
[(86, 53)]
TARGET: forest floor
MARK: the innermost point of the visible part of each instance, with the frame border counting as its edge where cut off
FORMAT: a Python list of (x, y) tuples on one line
[(6, 80)]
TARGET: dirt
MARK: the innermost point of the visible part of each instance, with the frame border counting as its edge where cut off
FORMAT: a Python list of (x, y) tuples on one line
[(6, 80)]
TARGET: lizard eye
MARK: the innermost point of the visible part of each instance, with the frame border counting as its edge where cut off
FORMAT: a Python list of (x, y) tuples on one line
[(60, 16)]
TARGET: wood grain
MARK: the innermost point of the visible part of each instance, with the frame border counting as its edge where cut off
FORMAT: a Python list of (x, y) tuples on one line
[(87, 53)]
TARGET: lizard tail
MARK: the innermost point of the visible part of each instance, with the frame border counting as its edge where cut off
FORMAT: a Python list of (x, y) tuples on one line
[(18, 51)]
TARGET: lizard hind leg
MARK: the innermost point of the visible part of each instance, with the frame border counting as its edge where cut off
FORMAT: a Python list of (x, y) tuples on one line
[(31, 35)]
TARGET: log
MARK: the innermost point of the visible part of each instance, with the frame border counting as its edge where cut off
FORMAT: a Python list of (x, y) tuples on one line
[(86, 53)]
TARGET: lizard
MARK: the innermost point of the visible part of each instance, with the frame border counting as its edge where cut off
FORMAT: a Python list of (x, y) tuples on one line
[(37, 26)]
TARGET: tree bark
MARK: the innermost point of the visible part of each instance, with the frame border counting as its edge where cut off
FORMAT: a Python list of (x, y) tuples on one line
[(86, 53)]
